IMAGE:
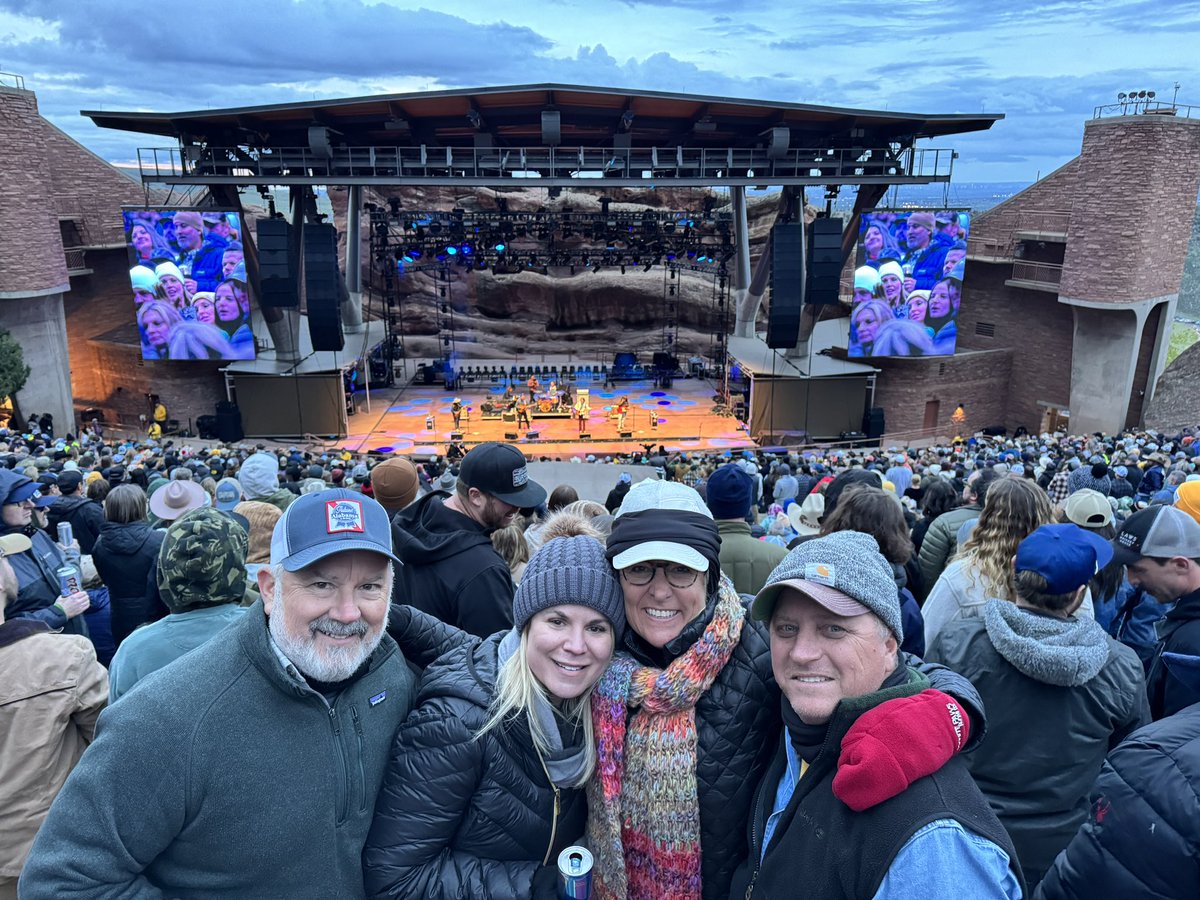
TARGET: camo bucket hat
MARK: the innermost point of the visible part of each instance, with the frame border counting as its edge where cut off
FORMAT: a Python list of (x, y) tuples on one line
[(202, 561)]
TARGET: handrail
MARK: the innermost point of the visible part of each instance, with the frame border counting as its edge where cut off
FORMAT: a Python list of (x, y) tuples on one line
[(1044, 273), (1146, 108), (16, 81)]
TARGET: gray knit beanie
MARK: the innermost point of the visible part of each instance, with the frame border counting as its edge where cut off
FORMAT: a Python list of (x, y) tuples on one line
[(569, 570), (847, 561)]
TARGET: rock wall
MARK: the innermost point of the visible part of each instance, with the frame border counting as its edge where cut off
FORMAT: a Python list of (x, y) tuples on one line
[(1176, 403)]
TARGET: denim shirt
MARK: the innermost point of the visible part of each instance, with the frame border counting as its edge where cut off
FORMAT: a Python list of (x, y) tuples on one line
[(942, 860)]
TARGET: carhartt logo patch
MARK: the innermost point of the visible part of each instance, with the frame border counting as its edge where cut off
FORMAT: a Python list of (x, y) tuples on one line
[(343, 515), (821, 573)]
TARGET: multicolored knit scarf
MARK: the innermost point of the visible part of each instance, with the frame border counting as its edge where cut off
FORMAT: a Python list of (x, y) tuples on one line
[(643, 811)]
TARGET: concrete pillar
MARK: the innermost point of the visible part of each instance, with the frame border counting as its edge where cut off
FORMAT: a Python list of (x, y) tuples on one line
[(352, 317), (741, 264), (1103, 359), (40, 327)]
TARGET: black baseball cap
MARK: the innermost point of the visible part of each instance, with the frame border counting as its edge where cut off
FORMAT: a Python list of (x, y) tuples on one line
[(1160, 532), (502, 471)]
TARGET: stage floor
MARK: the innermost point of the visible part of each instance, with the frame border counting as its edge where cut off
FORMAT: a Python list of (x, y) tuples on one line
[(396, 422)]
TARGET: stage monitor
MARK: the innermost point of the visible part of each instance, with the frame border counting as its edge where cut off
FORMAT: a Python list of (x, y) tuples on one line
[(908, 282), (191, 296)]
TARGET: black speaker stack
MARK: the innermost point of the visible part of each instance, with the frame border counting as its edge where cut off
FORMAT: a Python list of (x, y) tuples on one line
[(321, 287), (787, 285), (824, 261), (229, 422), (277, 278), (872, 423)]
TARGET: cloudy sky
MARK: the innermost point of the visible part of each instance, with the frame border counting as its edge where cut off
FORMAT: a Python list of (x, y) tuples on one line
[(1043, 64)]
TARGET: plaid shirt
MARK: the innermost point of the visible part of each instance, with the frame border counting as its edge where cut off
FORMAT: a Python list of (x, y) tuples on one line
[(1058, 488)]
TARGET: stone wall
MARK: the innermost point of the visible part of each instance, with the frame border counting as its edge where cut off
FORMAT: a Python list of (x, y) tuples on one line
[(974, 379), (1176, 404), (1054, 193)]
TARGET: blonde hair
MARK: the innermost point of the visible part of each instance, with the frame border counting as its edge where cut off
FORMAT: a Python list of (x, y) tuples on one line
[(517, 694), (509, 542), (1013, 509)]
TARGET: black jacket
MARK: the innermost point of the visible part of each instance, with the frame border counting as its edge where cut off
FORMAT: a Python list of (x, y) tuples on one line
[(737, 730), (38, 586), (1142, 838), (450, 569), (86, 518), (460, 817), (126, 556), (616, 496), (1081, 693), (1178, 632)]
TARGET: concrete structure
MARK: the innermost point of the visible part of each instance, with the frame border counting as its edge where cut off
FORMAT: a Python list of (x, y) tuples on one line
[(1070, 291)]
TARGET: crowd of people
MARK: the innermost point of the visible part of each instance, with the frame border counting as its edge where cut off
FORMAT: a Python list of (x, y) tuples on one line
[(967, 670), (908, 284), (188, 277)]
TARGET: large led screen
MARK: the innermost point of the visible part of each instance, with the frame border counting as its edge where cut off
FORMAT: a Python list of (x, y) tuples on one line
[(190, 291), (908, 282)]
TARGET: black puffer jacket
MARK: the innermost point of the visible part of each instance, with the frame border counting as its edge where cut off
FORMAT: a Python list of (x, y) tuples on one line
[(86, 518), (125, 555), (460, 817), (1142, 838), (737, 731)]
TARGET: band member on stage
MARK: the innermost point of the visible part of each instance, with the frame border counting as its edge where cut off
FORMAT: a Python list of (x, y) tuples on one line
[(456, 409), (523, 414), (533, 384), (509, 397), (622, 412), (581, 411), (553, 392), (564, 399)]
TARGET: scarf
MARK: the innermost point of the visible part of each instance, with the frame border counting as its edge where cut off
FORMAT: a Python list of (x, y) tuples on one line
[(643, 808)]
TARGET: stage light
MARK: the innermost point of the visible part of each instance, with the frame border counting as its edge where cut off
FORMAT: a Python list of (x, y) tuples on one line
[(451, 250), (406, 259), (499, 248), (414, 252), (467, 249)]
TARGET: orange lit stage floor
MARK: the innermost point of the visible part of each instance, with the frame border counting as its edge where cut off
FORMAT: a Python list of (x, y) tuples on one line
[(685, 420)]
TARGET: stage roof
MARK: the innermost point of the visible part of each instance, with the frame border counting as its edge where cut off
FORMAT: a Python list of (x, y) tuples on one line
[(512, 117)]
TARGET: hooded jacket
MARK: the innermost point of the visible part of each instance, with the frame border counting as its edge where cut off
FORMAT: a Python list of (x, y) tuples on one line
[(225, 775), (86, 518), (1060, 693), (125, 556), (451, 570), (1142, 837), (1178, 632), (461, 817), (51, 691)]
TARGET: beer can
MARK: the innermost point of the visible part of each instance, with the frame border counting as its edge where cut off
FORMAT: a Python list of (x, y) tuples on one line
[(68, 580), (65, 535), (575, 873)]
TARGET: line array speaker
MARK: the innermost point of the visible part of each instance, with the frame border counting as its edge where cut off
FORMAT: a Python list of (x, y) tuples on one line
[(321, 289), (787, 285), (277, 279), (824, 261)]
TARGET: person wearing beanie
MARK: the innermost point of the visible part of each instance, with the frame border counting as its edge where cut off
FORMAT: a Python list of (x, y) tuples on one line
[(261, 518), (1187, 498), (866, 284), (485, 784), (926, 251), (395, 483), (259, 476), (747, 562), (692, 702), (200, 577), (835, 629)]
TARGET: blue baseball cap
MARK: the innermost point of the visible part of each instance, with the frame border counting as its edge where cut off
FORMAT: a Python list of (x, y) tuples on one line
[(322, 523), (1067, 556), (16, 488)]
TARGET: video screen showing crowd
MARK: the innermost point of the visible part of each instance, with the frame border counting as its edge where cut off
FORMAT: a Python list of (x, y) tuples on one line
[(908, 283), (189, 283)]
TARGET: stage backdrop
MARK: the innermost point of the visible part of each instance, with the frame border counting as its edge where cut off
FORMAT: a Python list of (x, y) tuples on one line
[(190, 292), (908, 282)]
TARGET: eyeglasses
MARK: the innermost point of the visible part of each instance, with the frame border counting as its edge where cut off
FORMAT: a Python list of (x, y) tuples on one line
[(678, 576)]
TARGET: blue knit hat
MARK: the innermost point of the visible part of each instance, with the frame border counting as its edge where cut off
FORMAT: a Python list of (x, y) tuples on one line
[(569, 570), (729, 493)]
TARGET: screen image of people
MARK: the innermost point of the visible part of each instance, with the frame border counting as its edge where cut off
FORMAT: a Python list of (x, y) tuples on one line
[(908, 282), (189, 283)]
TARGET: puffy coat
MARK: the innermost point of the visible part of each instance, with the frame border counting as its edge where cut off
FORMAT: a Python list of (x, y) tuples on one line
[(126, 555), (941, 540), (737, 731), (745, 560), (1178, 632), (460, 817), (86, 518), (1142, 838)]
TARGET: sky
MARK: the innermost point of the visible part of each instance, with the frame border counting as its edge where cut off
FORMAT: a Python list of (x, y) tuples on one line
[(1044, 64)]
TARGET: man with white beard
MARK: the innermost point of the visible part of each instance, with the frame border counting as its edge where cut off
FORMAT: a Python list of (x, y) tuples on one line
[(249, 767)]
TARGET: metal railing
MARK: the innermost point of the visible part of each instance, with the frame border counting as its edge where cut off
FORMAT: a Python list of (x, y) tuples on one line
[(990, 248), (10, 80), (1037, 272), (1146, 108), (76, 258), (492, 164)]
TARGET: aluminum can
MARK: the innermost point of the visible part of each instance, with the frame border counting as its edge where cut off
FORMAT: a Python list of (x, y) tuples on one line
[(68, 580), (575, 874), (65, 534)]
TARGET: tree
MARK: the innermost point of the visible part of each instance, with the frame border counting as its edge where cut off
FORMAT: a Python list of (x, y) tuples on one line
[(13, 371)]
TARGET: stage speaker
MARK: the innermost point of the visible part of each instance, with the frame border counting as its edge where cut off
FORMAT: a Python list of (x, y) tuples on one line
[(873, 423), (229, 422), (628, 435), (277, 279), (322, 287), (456, 435), (787, 285), (532, 435), (824, 261), (206, 427), (585, 435), (511, 436)]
